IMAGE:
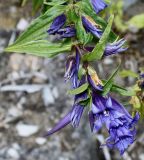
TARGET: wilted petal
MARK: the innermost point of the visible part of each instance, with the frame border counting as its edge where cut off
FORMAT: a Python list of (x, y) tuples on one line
[(70, 67), (94, 83), (98, 5), (57, 24), (61, 124)]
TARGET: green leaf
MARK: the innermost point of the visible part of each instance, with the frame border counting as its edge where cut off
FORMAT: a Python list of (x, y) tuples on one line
[(123, 91), (33, 40), (79, 90), (137, 21), (107, 88), (37, 4), (98, 51), (82, 36), (54, 2), (24, 2), (40, 48), (128, 73), (108, 1), (109, 83), (85, 102), (37, 29)]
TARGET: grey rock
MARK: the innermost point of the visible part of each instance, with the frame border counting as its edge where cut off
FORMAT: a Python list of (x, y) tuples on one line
[(22, 24), (26, 130), (41, 141), (47, 96), (13, 153)]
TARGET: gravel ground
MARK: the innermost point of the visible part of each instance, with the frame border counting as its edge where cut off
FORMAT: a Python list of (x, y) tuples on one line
[(34, 97)]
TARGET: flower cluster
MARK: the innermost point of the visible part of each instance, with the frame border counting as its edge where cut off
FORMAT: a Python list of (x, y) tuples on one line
[(104, 110)]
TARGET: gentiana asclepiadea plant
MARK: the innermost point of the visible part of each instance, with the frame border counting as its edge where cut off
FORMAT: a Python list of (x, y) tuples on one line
[(77, 29)]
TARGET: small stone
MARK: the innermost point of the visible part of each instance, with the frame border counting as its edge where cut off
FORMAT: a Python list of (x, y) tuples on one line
[(108, 61), (55, 92), (13, 153), (47, 96), (25, 130), (14, 112), (141, 157), (13, 115), (40, 141), (22, 24)]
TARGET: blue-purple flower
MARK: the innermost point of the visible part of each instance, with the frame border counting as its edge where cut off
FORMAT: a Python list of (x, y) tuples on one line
[(58, 22), (72, 67), (115, 47), (91, 26), (111, 48), (142, 75), (72, 117), (98, 5), (119, 123), (74, 114)]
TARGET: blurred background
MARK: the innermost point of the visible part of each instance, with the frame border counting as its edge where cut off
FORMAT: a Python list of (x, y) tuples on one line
[(33, 95)]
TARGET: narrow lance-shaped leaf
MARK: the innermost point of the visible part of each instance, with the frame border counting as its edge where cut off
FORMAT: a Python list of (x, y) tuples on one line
[(79, 90), (108, 84), (123, 91), (37, 29), (55, 2), (127, 73), (37, 4), (41, 48), (99, 49)]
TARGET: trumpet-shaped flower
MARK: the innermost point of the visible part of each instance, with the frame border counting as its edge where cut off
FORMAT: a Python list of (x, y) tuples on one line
[(91, 26), (119, 123), (72, 67), (114, 48), (98, 5), (74, 114), (58, 22)]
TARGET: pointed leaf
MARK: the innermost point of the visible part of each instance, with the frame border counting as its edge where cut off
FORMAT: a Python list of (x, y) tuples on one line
[(128, 73), (123, 91), (37, 29), (79, 90), (41, 48), (109, 83)]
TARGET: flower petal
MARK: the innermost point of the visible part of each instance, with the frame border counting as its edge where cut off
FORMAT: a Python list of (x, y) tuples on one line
[(61, 124)]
